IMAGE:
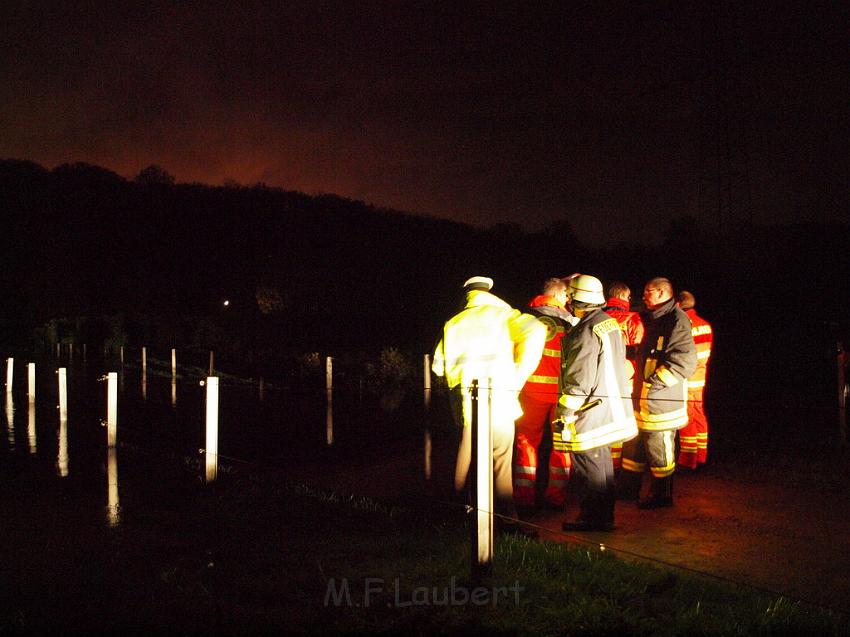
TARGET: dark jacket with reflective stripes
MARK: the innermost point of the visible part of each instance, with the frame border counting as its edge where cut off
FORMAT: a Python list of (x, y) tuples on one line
[(593, 357), (666, 359)]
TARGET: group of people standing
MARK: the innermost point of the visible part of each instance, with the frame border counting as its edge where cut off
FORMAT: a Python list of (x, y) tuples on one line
[(609, 387)]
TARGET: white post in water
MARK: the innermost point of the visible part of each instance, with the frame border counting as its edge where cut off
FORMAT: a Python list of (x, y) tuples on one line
[(10, 370), (173, 363), (112, 409), (63, 394), (426, 376), (482, 480), (31, 382), (329, 385), (212, 363), (329, 374), (211, 446)]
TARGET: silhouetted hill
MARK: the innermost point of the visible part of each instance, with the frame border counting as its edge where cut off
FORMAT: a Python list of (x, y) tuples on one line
[(324, 271)]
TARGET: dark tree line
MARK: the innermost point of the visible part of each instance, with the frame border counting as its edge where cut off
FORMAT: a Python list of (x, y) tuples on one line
[(323, 272)]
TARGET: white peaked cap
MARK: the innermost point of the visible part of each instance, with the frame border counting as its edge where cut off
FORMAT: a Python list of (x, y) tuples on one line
[(478, 283)]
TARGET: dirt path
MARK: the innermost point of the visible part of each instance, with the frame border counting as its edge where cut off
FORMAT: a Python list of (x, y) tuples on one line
[(785, 540)]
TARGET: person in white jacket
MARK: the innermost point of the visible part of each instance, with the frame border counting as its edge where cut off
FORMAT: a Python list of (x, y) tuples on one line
[(499, 346)]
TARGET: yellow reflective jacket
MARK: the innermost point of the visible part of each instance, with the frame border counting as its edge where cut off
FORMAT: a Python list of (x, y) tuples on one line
[(489, 339)]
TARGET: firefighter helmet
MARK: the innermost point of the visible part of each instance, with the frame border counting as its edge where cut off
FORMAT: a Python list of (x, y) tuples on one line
[(587, 289)]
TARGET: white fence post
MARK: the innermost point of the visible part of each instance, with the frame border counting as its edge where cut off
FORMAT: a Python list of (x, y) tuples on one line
[(144, 360), (211, 446), (426, 377), (31, 382), (173, 363), (10, 370), (329, 373), (329, 386), (63, 393), (112, 409), (482, 480), (62, 458)]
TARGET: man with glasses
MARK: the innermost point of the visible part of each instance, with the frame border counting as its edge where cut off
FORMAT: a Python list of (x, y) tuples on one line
[(666, 359)]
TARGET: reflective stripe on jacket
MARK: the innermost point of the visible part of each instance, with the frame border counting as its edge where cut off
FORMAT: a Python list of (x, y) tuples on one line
[(703, 337), (592, 357), (667, 358), (632, 327), (542, 385), (489, 339)]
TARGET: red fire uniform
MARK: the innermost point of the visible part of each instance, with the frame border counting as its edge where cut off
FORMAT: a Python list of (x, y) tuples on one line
[(539, 398), (632, 327), (693, 437)]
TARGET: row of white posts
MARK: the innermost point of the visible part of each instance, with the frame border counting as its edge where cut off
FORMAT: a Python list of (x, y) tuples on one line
[(144, 357), (211, 448), (482, 445)]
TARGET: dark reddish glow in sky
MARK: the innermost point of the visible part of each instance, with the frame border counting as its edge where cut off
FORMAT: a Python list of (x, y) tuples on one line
[(597, 113)]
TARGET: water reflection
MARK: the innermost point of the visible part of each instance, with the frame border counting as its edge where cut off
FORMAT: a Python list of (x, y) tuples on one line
[(329, 419), (10, 420), (173, 391), (113, 509), (62, 458), (427, 458), (31, 427), (144, 385)]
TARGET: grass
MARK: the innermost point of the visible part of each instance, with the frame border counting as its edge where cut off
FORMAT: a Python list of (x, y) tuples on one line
[(256, 554)]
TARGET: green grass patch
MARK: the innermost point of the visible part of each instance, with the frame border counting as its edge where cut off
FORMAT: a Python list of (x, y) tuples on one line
[(255, 555)]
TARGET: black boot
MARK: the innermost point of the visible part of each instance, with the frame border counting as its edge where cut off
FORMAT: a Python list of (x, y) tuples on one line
[(628, 485), (660, 494)]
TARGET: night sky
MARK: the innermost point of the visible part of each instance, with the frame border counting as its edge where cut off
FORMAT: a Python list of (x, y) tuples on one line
[(606, 115)]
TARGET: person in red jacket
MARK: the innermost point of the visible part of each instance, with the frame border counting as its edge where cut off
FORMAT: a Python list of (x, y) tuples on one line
[(538, 398), (617, 306), (693, 437)]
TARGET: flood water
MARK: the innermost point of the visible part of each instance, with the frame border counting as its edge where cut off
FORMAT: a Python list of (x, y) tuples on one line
[(161, 424)]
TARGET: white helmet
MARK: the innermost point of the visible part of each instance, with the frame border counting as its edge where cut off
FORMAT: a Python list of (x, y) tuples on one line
[(587, 289)]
